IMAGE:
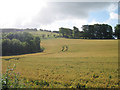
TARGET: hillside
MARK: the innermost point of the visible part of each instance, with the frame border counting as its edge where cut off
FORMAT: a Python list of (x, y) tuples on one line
[(86, 63), (44, 34)]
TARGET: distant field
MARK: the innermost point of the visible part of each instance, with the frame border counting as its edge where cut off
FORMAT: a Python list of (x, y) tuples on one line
[(87, 63), (41, 33)]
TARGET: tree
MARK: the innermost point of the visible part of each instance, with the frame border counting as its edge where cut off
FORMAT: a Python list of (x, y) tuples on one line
[(76, 33), (85, 31), (16, 46), (62, 32), (103, 31), (117, 31), (37, 42), (6, 47), (66, 32), (88, 31)]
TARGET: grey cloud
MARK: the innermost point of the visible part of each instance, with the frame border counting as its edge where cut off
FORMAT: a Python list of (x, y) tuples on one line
[(67, 10)]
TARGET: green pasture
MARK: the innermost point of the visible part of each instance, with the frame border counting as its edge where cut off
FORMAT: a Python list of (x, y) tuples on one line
[(47, 35)]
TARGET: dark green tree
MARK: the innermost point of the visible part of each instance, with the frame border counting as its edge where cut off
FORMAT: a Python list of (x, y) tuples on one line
[(37, 42), (6, 47), (85, 29), (97, 31), (66, 32), (20, 43), (117, 31), (76, 33)]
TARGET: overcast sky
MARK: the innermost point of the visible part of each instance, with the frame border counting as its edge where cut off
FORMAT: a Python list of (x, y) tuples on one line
[(53, 15)]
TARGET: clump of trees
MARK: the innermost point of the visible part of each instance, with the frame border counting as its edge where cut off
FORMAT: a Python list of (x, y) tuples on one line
[(96, 31), (69, 33), (66, 32), (20, 43)]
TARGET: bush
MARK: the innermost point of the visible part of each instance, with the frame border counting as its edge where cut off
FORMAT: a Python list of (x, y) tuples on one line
[(10, 78)]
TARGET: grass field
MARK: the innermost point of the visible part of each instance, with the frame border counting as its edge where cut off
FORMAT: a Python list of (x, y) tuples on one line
[(87, 63), (41, 33)]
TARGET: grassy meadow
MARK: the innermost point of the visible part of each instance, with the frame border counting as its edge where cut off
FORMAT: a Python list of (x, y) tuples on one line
[(86, 64), (41, 33)]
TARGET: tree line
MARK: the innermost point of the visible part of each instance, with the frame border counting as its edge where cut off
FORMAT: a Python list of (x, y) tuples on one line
[(16, 30), (96, 31), (20, 43), (69, 33)]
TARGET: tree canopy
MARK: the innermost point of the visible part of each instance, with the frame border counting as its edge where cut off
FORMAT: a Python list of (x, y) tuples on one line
[(117, 31), (96, 31), (69, 33), (20, 43)]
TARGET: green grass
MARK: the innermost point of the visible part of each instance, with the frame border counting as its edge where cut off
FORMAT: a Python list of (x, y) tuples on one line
[(86, 64), (40, 33)]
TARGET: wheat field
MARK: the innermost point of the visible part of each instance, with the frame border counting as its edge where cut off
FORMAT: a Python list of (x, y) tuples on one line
[(86, 63)]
